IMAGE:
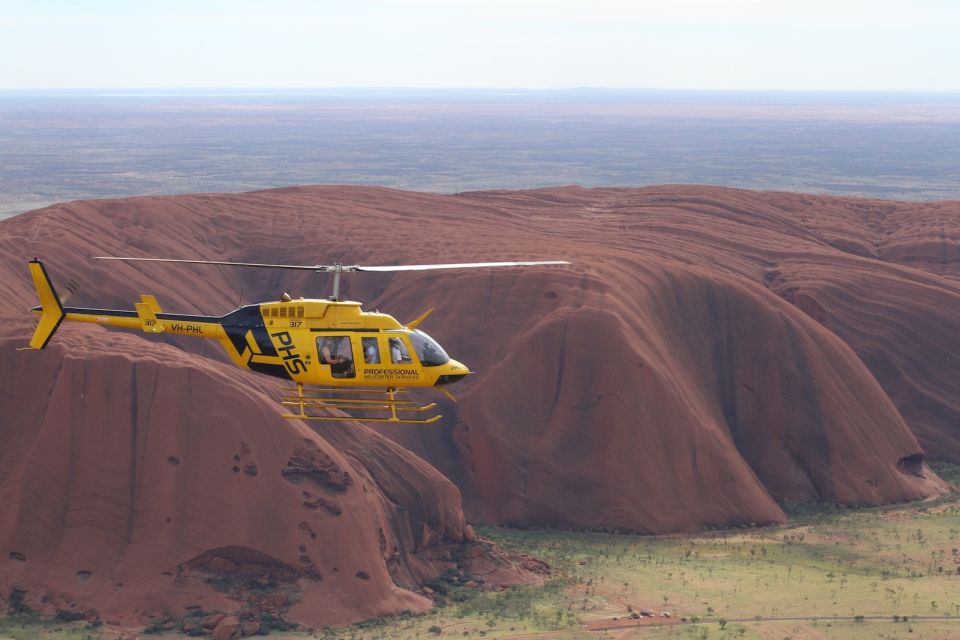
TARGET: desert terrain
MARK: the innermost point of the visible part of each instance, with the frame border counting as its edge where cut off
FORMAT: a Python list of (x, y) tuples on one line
[(711, 357), (80, 144)]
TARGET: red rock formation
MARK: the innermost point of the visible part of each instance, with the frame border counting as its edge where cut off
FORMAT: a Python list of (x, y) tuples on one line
[(123, 492), (698, 361)]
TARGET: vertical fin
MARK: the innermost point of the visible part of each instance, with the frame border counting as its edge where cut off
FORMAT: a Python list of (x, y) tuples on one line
[(150, 301), (51, 311)]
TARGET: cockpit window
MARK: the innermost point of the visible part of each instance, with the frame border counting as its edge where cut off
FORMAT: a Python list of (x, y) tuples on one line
[(398, 352), (337, 352), (430, 353)]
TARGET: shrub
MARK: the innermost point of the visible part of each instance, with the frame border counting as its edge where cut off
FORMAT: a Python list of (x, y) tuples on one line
[(16, 604), (65, 615), (372, 622), (154, 627), (270, 623)]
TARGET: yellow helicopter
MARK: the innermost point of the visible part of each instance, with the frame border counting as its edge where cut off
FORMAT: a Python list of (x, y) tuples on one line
[(332, 345)]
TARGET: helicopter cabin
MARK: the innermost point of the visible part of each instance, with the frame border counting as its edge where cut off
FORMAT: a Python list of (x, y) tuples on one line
[(337, 343)]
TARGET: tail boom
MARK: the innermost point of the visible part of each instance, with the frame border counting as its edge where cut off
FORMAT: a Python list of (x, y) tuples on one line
[(147, 316), (145, 319)]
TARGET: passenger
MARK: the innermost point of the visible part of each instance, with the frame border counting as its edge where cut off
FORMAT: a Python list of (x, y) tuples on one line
[(326, 352), (370, 353)]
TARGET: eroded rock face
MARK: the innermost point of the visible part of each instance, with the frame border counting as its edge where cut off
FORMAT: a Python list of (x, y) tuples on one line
[(312, 466), (99, 519), (668, 425), (709, 351), (236, 561)]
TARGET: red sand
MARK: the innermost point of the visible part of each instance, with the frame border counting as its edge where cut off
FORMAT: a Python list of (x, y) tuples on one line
[(710, 350)]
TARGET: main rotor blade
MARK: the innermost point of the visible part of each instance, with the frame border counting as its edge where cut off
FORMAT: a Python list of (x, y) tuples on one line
[(227, 264), (323, 267), (461, 265)]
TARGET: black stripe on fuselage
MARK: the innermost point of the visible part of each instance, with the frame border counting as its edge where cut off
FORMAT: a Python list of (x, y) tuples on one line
[(249, 319), (121, 313), (101, 312), (343, 329), (235, 324)]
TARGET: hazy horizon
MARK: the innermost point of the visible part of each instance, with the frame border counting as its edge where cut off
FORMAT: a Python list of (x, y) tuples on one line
[(75, 144), (397, 91), (111, 98)]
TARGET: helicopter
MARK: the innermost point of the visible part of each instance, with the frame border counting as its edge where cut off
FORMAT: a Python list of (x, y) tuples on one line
[(337, 355)]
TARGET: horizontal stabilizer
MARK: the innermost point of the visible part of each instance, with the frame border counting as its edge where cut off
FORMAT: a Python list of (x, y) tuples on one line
[(147, 312)]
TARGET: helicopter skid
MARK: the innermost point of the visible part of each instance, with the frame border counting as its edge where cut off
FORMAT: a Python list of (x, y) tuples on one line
[(374, 405)]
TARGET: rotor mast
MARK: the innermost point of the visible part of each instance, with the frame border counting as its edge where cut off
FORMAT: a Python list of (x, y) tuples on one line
[(336, 269)]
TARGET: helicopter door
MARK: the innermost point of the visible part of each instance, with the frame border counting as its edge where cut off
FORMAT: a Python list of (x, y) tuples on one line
[(397, 358), (337, 353), (399, 354)]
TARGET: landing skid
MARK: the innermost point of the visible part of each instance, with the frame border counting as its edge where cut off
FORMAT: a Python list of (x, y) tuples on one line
[(382, 406)]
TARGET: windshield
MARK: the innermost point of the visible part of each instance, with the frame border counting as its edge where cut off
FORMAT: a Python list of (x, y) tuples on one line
[(430, 353)]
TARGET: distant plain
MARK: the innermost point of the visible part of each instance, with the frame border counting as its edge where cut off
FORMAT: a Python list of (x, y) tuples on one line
[(67, 145)]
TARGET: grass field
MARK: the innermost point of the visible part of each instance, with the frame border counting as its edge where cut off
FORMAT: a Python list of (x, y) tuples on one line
[(28, 628), (828, 563), (834, 630)]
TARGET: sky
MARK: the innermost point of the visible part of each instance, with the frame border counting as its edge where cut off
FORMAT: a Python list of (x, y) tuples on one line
[(842, 45)]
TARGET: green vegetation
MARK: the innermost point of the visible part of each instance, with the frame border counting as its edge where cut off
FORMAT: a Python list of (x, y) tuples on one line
[(949, 472), (877, 569), (30, 627), (829, 561), (834, 630)]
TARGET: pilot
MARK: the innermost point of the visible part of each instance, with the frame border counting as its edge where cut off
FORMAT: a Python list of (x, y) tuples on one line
[(326, 352), (398, 354), (340, 366)]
